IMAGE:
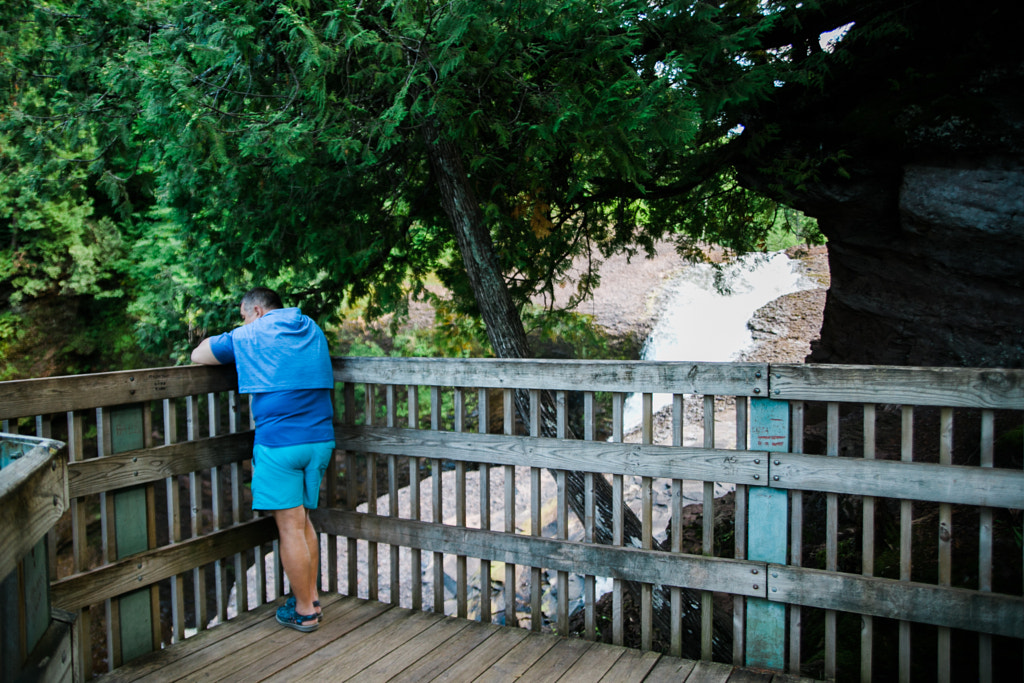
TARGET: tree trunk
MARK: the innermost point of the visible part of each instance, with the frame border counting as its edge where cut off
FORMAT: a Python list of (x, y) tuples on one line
[(508, 337)]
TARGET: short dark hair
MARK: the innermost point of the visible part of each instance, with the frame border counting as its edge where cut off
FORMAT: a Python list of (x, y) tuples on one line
[(261, 296)]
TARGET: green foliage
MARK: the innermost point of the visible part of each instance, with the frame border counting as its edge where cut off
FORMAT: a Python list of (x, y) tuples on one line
[(159, 158)]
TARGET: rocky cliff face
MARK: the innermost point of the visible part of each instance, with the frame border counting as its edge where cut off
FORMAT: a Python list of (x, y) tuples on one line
[(931, 274)]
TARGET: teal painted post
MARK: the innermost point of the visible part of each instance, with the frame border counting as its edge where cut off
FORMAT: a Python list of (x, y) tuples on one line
[(131, 532), (767, 538)]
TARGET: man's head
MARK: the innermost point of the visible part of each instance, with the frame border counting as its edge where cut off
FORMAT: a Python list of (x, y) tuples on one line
[(257, 302)]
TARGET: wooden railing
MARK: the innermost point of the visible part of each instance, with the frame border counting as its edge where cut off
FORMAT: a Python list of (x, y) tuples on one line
[(848, 514)]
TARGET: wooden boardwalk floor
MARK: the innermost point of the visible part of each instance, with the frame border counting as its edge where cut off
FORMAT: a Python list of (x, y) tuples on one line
[(372, 641)]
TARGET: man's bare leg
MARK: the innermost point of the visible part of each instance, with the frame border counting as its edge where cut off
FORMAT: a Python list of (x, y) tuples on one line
[(300, 557), (313, 543)]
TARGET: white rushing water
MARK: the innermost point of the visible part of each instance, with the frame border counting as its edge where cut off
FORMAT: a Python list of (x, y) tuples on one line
[(699, 322)]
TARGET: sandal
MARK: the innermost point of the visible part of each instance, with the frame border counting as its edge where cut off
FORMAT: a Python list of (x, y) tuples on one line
[(290, 604), (287, 616)]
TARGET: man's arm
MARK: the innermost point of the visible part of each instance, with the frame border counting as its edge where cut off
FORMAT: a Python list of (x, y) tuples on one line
[(203, 355)]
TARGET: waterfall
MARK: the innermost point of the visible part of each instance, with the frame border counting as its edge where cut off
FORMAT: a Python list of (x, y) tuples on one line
[(704, 317)]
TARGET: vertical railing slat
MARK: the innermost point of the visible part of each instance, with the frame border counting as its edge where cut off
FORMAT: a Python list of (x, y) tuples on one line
[(80, 544), (461, 578), (483, 411), (216, 508), (173, 491), (985, 544), (906, 536), (562, 517), (796, 532), (945, 532), (195, 499), (618, 404), (436, 502), (372, 559), (509, 426), (646, 525), (589, 580), (831, 537), (868, 549), (351, 490), (676, 593), (415, 556), (330, 543), (393, 550), (535, 515), (707, 604), (240, 559), (108, 543)]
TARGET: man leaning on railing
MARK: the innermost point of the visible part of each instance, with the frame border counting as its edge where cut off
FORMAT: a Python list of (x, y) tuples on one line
[(282, 360)]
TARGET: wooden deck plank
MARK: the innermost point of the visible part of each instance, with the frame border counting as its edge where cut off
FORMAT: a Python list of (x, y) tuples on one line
[(346, 657), (436, 637), (282, 646), (632, 667), (556, 661), (700, 672), (363, 640), (594, 663), (212, 644), (434, 665), (751, 676), (520, 658), (483, 656)]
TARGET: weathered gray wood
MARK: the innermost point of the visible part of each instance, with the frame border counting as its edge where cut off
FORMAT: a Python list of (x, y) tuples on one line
[(141, 570), (797, 411), (985, 544), (671, 670), (432, 665), (586, 456), (949, 387), (867, 630), (707, 607), (81, 392), (593, 664), (131, 468), (480, 658), (747, 379), (516, 661), (916, 602), (952, 484), (945, 535), (635, 564), (225, 643), (363, 640), (631, 667), (435, 637), (831, 540), (286, 654), (555, 662), (33, 496), (349, 664), (748, 676), (906, 536)]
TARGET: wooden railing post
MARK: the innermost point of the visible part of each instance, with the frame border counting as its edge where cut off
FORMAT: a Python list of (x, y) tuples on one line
[(768, 519)]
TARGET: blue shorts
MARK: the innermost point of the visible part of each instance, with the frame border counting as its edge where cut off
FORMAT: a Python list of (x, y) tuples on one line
[(289, 476)]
